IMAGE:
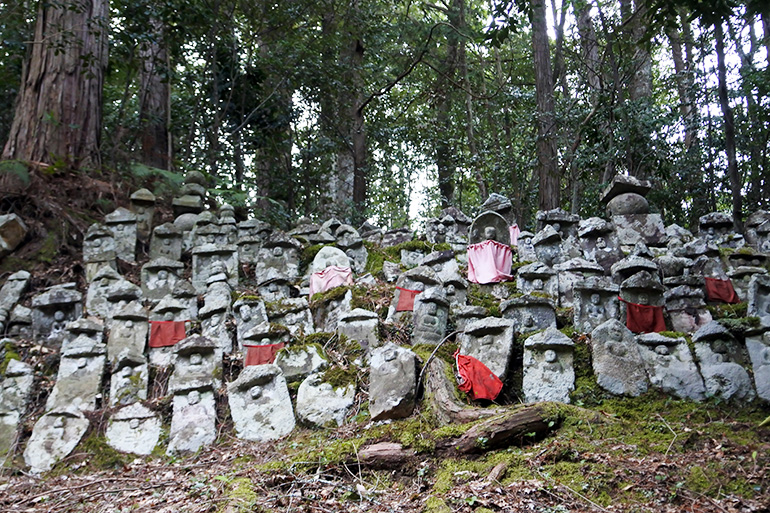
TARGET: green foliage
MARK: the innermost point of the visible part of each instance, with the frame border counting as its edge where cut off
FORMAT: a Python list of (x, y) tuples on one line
[(15, 168)]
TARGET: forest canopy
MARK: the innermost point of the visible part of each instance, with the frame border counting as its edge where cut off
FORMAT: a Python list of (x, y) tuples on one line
[(359, 109)]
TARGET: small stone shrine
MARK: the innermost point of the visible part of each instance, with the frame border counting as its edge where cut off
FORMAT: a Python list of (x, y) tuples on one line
[(548, 367)]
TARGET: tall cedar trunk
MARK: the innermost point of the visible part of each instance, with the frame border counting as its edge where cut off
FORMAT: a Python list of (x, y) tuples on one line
[(547, 172), (683, 79), (729, 127), (445, 152), (640, 93), (758, 143), (358, 137), (154, 99), (59, 107)]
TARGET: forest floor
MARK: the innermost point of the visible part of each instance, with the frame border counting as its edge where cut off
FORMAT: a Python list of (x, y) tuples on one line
[(652, 453)]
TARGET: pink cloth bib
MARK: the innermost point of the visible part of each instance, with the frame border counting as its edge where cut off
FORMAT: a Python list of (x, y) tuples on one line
[(489, 262)]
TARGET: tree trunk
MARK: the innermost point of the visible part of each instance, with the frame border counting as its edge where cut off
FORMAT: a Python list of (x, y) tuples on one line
[(154, 99), (440, 392), (639, 93), (729, 127), (59, 108), (547, 171)]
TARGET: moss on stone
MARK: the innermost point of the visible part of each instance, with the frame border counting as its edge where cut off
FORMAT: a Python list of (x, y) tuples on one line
[(322, 298), (339, 377), (309, 253), (477, 297), (727, 311), (9, 353)]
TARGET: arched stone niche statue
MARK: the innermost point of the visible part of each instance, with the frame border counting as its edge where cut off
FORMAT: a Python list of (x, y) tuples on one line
[(490, 226)]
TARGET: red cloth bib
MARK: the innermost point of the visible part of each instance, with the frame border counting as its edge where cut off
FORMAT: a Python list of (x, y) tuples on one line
[(721, 291), (644, 318), (166, 333), (260, 355), (327, 279), (489, 262), (477, 379), (406, 299)]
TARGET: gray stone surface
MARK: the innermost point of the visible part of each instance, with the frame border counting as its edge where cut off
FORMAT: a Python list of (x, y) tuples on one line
[(248, 313), (489, 340), (53, 438), (670, 366), (52, 310), (489, 226), (431, 313), (193, 421), (197, 365), (13, 288), (129, 380), (621, 184), (12, 233), (628, 203), (279, 257), (143, 206), (686, 308), (537, 278), (362, 326), (129, 332), (758, 347), (392, 382), (122, 223), (529, 313), (79, 380), (96, 296), (596, 301), (759, 298), (319, 404), (549, 374), (133, 429), (260, 404), (166, 242), (204, 258), (633, 228), (159, 276), (616, 361), (15, 391), (328, 256), (295, 314), (721, 360), (299, 362)]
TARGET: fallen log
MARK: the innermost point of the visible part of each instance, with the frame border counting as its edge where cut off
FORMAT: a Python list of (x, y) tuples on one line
[(440, 393), (513, 426)]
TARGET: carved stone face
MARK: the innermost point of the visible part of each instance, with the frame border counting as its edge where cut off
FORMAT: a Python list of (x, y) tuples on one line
[(550, 356), (196, 359), (644, 299), (245, 312), (277, 251), (255, 392), (162, 274), (595, 299), (193, 398), (600, 243), (490, 232), (134, 423), (537, 284)]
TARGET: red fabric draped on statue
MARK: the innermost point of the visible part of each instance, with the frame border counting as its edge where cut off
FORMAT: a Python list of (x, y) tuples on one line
[(644, 318), (332, 276), (260, 355), (489, 262), (406, 299), (477, 379), (721, 291), (166, 333), (515, 232)]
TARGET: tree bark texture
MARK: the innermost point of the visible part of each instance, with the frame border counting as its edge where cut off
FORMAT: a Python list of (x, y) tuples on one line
[(547, 170), (729, 127), (59, 107), (440, 393), (154, 99)]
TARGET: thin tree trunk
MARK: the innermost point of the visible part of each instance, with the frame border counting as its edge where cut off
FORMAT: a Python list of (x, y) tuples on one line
[(153, 98), (729, 127), (548, 177), (59, 108)]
